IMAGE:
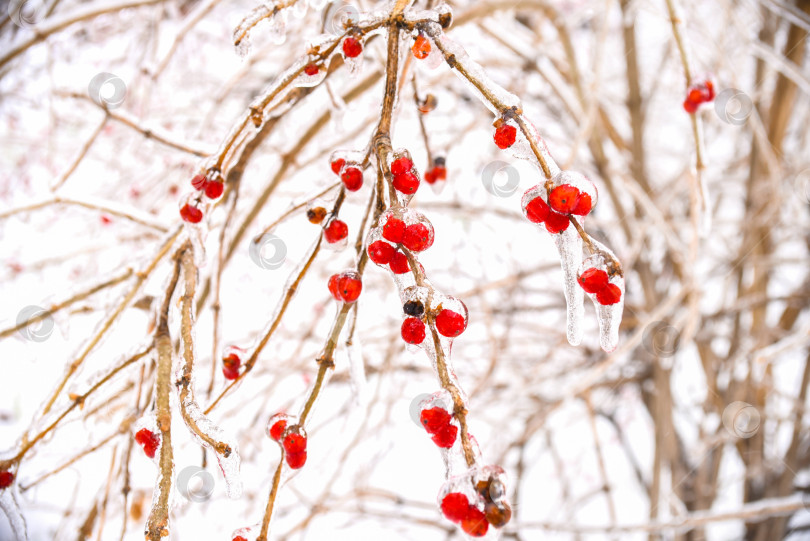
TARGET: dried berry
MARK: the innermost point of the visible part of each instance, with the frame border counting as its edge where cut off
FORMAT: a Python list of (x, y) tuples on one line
[(413, 308), (316, 215)]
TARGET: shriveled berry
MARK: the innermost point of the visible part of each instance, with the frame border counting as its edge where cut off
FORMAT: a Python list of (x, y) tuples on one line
[(475, 523), (455, 506), (406, 183), (418, 237), (380, 252), (335, 231), (450, 323), (399, 263), (556, 223), (593, 280), (421, 47), (434, 419), (611, 294), (537, 210), (401, 166), (413, 330), (352, 178), (352, 47), (316, 215), (199, 182), (294, 443), (394, 230), (413, 308), (148, 440), (564, 198), (296, 460), (191, 214), (311, 69), (277, 430), (505, 136), (6, 478), (445, 437), (337, 165), (498, 514)]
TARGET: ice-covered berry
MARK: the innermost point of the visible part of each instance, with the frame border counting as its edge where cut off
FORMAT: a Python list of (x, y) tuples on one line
[(593, 280), (434, 419), (564, 198), (394, 230), (556, 223), (413, 308), (311, 69), (498, 515), (421, 47), (6, 478), (418, 237), (352, 47), (148, 440), (406, 183), (296, 460), (337, 165), (345, 286), (231, 362), (537, 210), (352, 178), (475, 522), (413, 330), (445, 437), (401, 166), (335, 231), (611, 294), (450, 323), (277, 429), (199, 182), (214, 189), (505, 136), (399, 263), (380, 252), (455, 506), (316, 214), (191, 214), (295, 442)]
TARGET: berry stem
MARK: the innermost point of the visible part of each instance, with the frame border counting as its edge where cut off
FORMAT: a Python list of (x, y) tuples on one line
[(421, 121), (271, 499)]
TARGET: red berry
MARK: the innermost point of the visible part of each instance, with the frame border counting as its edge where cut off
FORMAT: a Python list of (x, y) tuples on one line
[(295, 443), (537, 210), (337, 165), (401, 165), (437, 173), (418, 237), (277, 430), (239, 538), (556, 223), (690, 106), (352, 178), (584, 205), (148, 440), (349, 288), (352, 47), (421, 47), (296, 460), (708, 95), (445, 437), (695, 94), (433, 419), (199, 182), (406, 183), (450, 323), (455, 506), (593, 280), (311, 69), (563, 198), (6, 478), (333, 285), (399, 263), (106, 220), (505, 136), (214, 189), (191, 214), (230, 366), (380, 252), (413, 330), (394, 230), (609, 295), (336, 231), (475, 522)]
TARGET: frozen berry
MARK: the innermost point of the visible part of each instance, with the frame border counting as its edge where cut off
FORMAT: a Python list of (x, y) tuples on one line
[(401, 166), (6, 478), (277, 429), (445, 437), (394, 230), (336, 231), (498, 514), (316, 215), (406, 183), (537, 210), (611, 294), (352, 47), (148, 440), (455, 506), (199, 182), (584, 205), (564, 198), (230, 365), (418, 237), (413, 330), (352, 178), (332, 284), (296, 460), (428, 104), (311, 69), (214, 189), (380, 252), (399, 263), (475, 522), (556, 223), (450, 323), (294, 443), (421, 47), (593, 280), (337, 165), (505, 136), (413, 308), (191, 214), (239, 538), (435, 174), (346, 286), (434, 419)]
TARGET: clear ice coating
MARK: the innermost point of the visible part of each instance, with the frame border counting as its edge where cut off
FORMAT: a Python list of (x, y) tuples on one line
[(270, 15), (357, 371), (569, 246), (9, 505), (610, 315), (485, 489)]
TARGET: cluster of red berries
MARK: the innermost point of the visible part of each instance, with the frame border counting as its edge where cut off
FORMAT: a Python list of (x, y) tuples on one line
[(352, 47), (345, 286), (449, 323), (350, 174), (231, 362), (405, 178), (457, 508), (436, 173), (211, 188), (438, 423), (698, 94), (6, 478), (421, 47), (505, 134), (416, 237), (292, 438), (597, 282), (148, 440), (573, 194)]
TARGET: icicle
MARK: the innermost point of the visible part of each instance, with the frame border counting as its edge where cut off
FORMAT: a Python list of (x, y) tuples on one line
[(569, 246), (357, 372), (609, 303)]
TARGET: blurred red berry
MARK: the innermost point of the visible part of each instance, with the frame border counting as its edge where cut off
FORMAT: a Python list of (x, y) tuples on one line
[(296, 460), (352, 47), (6, 478), (311, 69), (191, 214), (401, 165), (475, 523), (148, 440), (406, 183), (214, 189), (337, 165), (199, 182)]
